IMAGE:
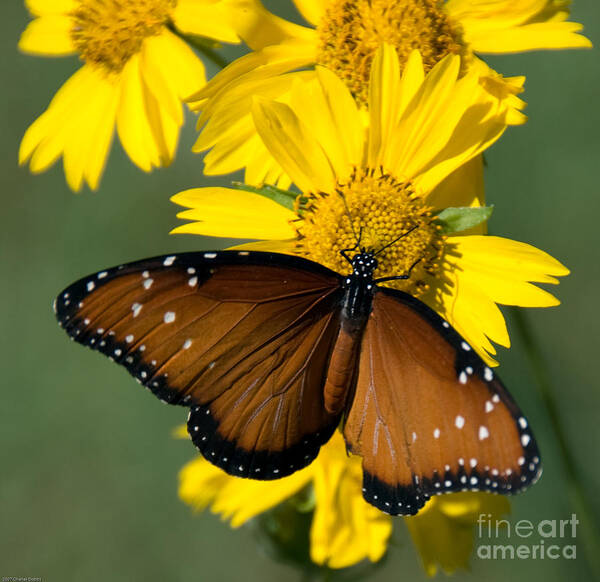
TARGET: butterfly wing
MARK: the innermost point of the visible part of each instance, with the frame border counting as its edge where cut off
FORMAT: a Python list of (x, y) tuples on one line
[(428, 415), (242, 338)]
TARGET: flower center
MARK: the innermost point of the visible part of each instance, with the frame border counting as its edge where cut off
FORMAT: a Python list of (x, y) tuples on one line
[(379, 209), (351, 31), (109, 32)]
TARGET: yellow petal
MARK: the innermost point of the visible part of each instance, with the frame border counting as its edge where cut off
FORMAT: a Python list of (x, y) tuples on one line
[(228, 213), (385, 94), (262, 168), (256, 66), (328, 108), (133, 124), (90, 132), (165, 129), (231, 133), (260, 28), (41, 7), (153, 71), (312, 10), (472, 313), (48, 35), (472, 123), (495, 14), (208, 19), (46, 129), (547, 35), (464, 187), (345, 528), (504, 268), (171, 59), (443, 531), (201, 484), (78, 124), (506, 26), (503, 92), (426, 121), (286, 247), (292, 144), (481, 271)]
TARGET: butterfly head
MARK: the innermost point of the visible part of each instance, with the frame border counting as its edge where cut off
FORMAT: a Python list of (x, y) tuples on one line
[(364, 264)]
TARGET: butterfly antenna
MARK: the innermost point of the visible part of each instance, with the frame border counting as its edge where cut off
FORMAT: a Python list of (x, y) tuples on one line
[(357, 238), (396, 239)]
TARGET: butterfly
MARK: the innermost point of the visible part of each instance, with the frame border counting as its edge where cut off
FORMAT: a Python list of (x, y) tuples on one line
[(272, 353)]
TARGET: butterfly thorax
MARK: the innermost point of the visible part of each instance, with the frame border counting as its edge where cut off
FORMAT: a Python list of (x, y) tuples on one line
[(359, 288)]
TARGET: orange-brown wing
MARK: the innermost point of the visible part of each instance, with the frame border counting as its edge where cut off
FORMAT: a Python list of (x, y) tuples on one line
[(428, 415), (241, 338)]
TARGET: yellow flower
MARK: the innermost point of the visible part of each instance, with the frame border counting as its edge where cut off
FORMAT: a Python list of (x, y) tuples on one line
[(344, 35), (345, 529), (382, 182), (135, 74), (443, 530)]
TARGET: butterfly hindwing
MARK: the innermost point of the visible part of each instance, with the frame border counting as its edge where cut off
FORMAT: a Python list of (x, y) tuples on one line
[(241, 338), (428, 415)]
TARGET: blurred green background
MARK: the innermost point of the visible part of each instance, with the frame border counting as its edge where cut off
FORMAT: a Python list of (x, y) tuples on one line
[(89, 467)]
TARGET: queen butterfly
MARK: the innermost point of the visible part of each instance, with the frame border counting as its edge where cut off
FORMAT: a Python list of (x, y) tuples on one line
[(272, 353)]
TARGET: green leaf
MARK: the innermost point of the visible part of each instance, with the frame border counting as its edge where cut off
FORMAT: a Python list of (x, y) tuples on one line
[(462, 218), (286, 198)]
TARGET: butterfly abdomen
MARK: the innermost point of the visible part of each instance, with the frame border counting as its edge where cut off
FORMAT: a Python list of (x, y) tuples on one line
[(342, 369)]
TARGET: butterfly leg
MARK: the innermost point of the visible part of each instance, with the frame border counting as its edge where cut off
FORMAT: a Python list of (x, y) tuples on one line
[(398, 277), (344, 252)]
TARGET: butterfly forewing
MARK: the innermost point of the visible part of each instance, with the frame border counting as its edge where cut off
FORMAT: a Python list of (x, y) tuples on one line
[(242, 338), (428, 415)]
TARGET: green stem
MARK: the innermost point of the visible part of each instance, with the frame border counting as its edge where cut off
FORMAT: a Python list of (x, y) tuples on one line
[(583, 510), (203, 45)]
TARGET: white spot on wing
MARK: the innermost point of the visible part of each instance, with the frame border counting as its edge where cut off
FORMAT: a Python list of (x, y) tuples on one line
[(488, 406), (484, 433), (129, 338), (210, 255), (193, 281), (187, 344), (148, 283), (462, 377), (91, 285), (465, 346), (488, 375), (136, 308), (525, 439), (169, 317), (459, 421), (102, 275), (522, 422), (436, 433), (169, 261)]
